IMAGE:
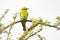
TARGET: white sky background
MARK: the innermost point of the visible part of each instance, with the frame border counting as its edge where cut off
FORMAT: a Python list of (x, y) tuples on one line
[(47, 9)]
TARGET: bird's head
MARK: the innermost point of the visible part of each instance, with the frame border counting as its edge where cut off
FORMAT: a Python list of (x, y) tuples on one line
[(24, 8)]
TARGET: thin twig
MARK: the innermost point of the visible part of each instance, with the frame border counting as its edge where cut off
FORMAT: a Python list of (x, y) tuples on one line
[(16, 22), (4, 14), (41, 38), (55, 26), (34, 33), (31, 26), (9, 33)]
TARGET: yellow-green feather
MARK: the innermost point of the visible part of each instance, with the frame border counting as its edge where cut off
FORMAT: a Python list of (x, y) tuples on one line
[(23, 17)]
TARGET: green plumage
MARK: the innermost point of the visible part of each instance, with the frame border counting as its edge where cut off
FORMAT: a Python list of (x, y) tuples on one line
[(23, 17)]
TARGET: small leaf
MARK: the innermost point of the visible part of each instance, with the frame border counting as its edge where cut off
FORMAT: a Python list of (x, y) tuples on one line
[(15, 15), (58, 18), (55, 24), (46, 23)]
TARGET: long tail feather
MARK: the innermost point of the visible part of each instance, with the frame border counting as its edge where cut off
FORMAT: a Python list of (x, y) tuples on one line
[(24, 26)]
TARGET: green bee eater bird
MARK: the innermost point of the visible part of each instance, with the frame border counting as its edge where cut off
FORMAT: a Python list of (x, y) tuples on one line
[(23, 17)]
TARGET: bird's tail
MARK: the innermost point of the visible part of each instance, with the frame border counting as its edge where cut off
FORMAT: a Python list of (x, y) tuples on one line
[(24, 26)]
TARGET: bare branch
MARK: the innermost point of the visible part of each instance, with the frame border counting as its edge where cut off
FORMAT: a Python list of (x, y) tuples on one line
[(17, 22), (55, 26)]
